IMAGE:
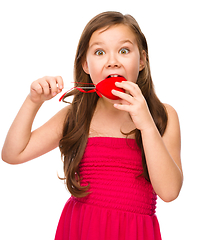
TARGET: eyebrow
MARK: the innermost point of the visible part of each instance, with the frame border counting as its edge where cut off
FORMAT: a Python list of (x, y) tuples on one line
[(122, 42), (127, 41), (96, 43)]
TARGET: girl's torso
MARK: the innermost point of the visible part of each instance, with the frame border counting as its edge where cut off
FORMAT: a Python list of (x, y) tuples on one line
[(121, 203)]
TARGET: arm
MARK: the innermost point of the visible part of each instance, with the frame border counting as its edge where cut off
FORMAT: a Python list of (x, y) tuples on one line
[(21, 144), (163, 157), (162, 153)]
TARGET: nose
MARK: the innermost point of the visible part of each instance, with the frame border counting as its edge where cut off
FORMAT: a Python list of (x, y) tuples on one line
[(113, 62)]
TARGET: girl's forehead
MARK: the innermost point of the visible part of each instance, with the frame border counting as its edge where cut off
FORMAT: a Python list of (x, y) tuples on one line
[(115, 33)]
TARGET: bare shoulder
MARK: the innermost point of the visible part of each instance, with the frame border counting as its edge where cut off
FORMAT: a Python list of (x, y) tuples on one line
[(170, 109), (63, 112), (173, 120)]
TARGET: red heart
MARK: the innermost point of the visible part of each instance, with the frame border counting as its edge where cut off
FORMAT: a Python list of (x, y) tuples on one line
[(107, 85)]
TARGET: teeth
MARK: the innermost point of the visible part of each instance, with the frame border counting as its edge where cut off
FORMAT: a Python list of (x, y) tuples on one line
[(114, 75)]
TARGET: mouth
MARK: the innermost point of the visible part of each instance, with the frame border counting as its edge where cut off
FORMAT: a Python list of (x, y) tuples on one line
[(113, 75)]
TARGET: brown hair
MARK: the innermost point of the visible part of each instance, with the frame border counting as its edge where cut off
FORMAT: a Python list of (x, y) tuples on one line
[(78, 119)]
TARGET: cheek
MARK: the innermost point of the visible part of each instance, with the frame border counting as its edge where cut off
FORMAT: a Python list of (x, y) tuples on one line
[(94, 76), (133, 73), (132, 66), (94, 71)]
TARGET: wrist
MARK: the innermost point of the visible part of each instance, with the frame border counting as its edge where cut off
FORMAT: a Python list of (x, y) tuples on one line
[(150, 130), (35, 103), (32, 104)]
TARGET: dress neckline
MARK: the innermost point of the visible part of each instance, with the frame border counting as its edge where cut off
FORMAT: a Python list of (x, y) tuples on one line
[(112, 141), (115, 138)]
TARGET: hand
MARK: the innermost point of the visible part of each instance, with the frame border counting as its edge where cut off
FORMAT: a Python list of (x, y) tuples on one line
[(134, 102), (45, 88)]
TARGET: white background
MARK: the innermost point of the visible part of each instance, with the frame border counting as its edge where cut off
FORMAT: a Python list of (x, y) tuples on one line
[(39, 38)]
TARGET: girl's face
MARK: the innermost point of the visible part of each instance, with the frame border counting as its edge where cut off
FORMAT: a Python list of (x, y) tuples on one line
[(113, 52)]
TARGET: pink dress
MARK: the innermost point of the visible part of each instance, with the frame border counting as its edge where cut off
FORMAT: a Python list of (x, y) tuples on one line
[(121, 205)]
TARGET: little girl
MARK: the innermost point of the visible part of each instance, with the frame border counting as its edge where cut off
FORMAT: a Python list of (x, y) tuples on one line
[(118, 154)]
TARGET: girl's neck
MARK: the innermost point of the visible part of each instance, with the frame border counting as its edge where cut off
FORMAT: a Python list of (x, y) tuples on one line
[(109, 121), (107, 106), (106, 110)]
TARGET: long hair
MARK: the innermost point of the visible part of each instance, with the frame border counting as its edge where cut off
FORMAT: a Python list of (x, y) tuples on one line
[(79, 116)]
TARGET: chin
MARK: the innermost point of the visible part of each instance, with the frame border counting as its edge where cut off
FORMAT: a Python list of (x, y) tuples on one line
[(118, 101)]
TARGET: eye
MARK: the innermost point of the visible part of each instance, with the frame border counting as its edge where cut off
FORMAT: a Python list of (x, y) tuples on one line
[(99, 52), (124, 51)]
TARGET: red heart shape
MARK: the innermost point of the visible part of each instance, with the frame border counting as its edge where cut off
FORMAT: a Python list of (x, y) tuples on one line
[(107, 85)]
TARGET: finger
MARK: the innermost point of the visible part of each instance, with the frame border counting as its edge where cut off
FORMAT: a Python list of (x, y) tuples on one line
[(123, 107), (131, 87), (46, 87), (60, 82), (53, 86), (36, 87), (124, 96)]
